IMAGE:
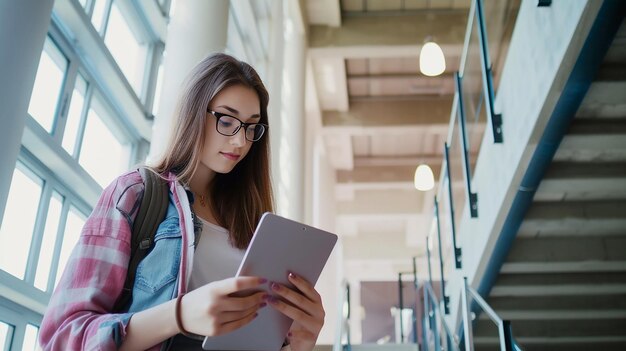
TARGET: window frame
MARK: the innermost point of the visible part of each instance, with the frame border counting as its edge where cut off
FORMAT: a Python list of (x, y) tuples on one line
[(42, 153)]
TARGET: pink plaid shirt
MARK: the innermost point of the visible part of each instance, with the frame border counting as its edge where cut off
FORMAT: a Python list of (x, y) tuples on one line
[(78, 315)]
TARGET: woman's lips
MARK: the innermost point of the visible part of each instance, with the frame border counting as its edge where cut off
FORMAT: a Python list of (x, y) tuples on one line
[(229, 156)]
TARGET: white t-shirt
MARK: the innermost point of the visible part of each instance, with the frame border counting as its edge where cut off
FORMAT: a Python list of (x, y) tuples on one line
[(215, 258)]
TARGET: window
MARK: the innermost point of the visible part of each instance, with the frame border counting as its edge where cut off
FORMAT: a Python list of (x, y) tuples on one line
[(16, 233), (30, 338), (82, 132), (5, 335), (103, 154), (98, 15), (159, 85), (19, 328), (48, 83), (126, 49), (74, 115), (50, 233)]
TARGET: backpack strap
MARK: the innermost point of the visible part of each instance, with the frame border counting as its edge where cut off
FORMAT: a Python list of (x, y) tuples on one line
[(151, 212)]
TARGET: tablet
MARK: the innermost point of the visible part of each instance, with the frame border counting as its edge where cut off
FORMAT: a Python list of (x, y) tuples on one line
[(279, 246)]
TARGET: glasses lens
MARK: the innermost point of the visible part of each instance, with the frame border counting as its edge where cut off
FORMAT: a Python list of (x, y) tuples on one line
[(255, 132), (227, 125)]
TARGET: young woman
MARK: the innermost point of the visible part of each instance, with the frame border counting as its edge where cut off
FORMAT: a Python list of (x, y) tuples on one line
[(217, 169)]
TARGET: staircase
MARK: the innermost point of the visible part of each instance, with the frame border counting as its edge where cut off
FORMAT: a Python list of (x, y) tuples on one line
[(563, 284)]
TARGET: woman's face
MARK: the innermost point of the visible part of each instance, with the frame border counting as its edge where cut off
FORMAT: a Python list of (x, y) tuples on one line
[(221, 153)]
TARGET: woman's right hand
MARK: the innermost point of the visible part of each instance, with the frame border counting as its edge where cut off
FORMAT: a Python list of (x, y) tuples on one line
[(214, 310)]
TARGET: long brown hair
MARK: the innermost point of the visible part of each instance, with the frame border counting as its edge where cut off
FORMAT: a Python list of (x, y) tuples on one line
[(239, 197)]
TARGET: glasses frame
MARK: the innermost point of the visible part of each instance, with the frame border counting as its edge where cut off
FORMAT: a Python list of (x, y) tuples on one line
[(219, 115)]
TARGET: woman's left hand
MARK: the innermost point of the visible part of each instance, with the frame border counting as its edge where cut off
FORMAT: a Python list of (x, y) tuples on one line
[(304, 307)]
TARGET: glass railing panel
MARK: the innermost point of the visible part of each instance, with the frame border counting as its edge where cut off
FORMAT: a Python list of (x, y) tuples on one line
[(472, 93), (500, 16)]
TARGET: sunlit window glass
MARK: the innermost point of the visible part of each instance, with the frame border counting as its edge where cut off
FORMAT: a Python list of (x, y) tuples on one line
[(129, 54), (5, 331), (98, 14), (47, 88), (30, 338), (157, 91), (73, 226), (49, 239), (18, 222), (102, 155), (74, 114)]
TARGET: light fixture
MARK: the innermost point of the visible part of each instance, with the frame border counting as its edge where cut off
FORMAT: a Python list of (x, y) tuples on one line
[(432, 61), (424, 179)]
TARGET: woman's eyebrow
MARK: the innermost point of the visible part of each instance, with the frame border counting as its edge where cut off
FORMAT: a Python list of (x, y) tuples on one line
[(233, 111)]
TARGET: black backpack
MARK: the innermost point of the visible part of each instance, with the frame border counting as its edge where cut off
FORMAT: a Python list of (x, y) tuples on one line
[(151, 213)]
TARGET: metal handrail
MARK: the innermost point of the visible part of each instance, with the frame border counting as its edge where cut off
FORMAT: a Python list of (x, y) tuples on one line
[(430, 296), (344, 320), (507, 342), (445, 298), (472, 197)]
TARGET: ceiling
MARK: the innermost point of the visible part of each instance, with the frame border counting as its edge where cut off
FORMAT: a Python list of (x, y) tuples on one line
[(381, 118)]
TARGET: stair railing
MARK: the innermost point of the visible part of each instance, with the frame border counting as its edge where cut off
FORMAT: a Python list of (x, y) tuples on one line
[(434, 324), (505, 333), (342, 341)]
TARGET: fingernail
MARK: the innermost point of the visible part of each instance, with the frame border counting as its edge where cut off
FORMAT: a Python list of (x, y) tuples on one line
[(275, 286), (262, 280), (263, 304), (272, 300), (289, 334), (292, 276), (255, 315), (265, 297)]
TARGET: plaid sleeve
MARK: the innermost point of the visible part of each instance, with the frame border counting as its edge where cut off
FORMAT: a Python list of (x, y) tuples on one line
[(78, 315)]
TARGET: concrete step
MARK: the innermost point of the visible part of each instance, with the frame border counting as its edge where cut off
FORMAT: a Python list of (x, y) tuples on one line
[(587, 266), (551, 279), (558, 290), (575, 218), (556, 343), (617, 51), (583, 181), (549, 328), (594, 139), (610, 71), (604, 99), (567, 249), (598, 303)]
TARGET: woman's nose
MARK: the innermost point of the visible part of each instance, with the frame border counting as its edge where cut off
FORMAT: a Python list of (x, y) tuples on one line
[(239, 138)]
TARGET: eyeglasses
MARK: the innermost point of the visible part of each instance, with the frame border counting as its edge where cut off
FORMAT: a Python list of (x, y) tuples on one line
[(229, 125)]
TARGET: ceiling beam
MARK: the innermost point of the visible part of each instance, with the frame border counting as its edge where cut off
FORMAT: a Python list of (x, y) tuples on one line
[(396, 113), (434, 161), (397, 173), (330, 81), (446, 28), (382, 202), (400, 84)]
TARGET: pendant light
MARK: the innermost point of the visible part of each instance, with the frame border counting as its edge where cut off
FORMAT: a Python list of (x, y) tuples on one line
[(424, 179), (432, 61)]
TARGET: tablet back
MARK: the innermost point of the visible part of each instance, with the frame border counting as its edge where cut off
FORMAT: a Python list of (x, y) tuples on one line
[(279, 246)]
